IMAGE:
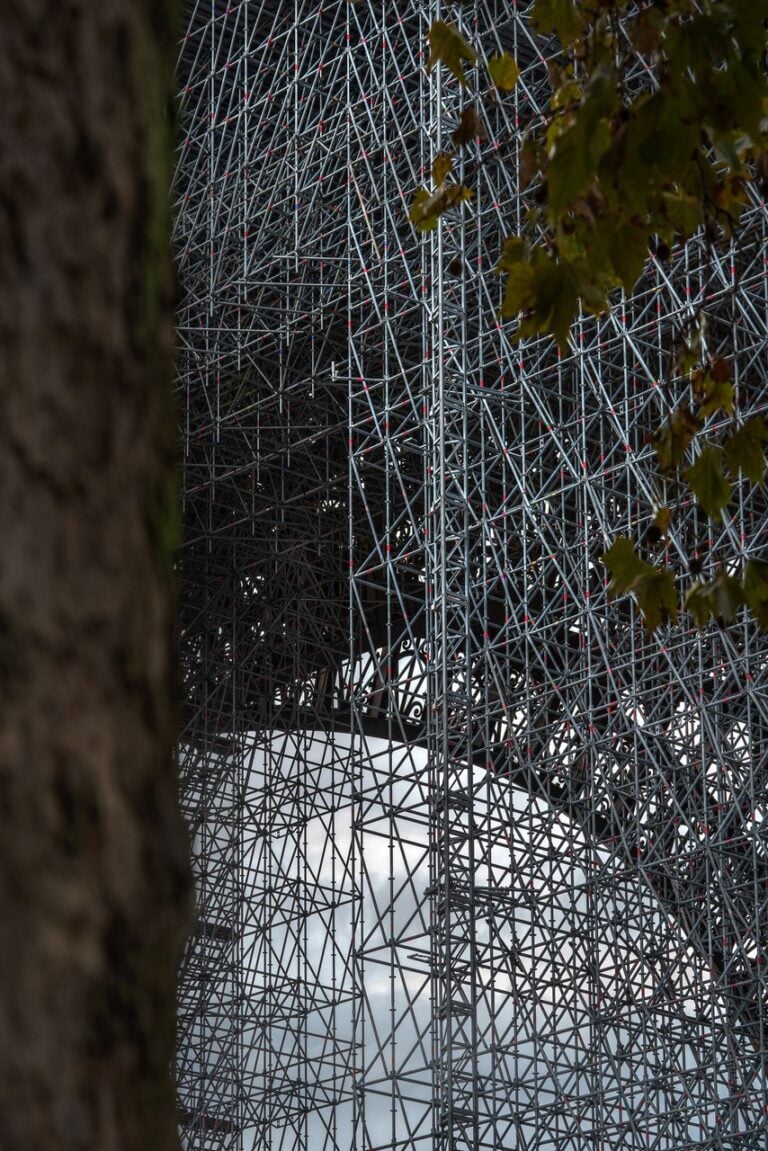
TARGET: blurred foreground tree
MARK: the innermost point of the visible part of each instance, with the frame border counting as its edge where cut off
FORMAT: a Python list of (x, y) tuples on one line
[(93, 880)]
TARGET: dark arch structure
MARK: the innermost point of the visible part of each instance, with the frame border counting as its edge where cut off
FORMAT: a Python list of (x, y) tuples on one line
[(480, 864)]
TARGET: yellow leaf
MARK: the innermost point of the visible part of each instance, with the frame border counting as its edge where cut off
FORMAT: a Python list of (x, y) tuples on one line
[(422, 214), (442, 165), (513, 252), (504, 71)]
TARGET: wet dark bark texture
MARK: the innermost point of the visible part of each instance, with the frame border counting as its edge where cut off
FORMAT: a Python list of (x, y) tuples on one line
[(93, 881)]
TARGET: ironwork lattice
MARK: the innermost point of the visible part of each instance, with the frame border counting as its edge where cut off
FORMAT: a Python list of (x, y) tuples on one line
[(480, 864)]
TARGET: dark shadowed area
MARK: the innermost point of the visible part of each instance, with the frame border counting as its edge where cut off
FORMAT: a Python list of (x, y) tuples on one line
[(93, 881)]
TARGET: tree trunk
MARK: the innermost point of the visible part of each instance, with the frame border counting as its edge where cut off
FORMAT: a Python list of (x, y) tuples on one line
[(93, 874)]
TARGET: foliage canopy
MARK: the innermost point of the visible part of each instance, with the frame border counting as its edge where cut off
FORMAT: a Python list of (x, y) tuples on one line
[(655, 131)]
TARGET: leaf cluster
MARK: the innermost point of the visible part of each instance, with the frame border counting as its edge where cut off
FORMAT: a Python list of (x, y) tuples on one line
[(710, 479), (654, 589), (428, 206), (717, 465), (620, 170)]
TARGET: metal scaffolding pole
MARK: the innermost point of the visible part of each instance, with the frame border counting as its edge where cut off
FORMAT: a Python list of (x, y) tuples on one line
[(480, 864)]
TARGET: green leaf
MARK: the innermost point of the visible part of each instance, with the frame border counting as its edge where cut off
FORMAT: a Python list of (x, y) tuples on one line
[(718, 599), (697, 602), (711, 394), (593, 285), (624, 564), (743, 450), (728, 596), (560, 16), (688, 352), (519, 294), (731, 196), (504, 71), (447, 45), (756, 591), (428, 207), (647, 30), (673, 438), (657, 598), (707, 481), (653, 588), (570, 92), (554, 298), (563, 312), (515, 249), (683, 212), (573, 161)]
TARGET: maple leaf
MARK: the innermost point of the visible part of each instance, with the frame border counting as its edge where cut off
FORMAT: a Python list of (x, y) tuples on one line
[(653, 587), (447, 45), (743, 450), (756, 591), (707, 481), (560, 16), (672, 439), (504, 71), (441, 166), (428, 207), (712, 394), (718, 599)]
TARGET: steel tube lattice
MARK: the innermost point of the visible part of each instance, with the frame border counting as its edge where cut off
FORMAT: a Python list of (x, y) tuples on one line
[(479, 863)]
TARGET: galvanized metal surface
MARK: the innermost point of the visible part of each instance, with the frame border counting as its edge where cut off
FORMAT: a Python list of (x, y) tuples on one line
[(480, 864)]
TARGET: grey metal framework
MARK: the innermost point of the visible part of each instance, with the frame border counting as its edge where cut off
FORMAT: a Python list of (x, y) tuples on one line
[(480, 864)]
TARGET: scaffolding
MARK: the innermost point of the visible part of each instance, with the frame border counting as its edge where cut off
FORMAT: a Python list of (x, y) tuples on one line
[(480, 864)]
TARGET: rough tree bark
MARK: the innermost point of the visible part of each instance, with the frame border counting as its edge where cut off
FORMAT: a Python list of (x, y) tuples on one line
[(93, 878)]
